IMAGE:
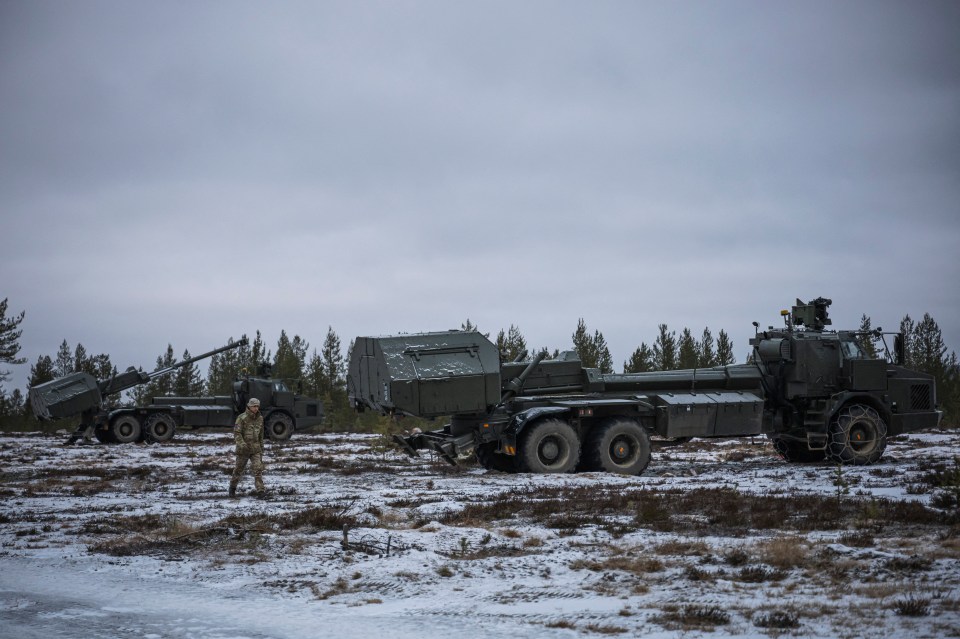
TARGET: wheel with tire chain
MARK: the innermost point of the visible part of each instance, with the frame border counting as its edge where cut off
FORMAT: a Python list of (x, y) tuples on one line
[(489, 458), (549, 446), (124, 429), (160, 428), (796, 452), (857, 435), (279, 426)]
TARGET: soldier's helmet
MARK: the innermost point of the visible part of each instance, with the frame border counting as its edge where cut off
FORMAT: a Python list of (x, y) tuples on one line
[(253, 402)]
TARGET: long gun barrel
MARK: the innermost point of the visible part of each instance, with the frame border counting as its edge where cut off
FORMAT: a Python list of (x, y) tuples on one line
[(79, 392), (187, 362)]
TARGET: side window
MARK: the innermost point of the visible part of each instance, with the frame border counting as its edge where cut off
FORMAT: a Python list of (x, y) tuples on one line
[(852, 350)]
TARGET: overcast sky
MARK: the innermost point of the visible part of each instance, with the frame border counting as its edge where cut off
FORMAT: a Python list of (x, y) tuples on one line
[(186, 172)]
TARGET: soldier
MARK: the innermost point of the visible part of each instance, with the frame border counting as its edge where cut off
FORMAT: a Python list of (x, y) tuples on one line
[(248, 432)]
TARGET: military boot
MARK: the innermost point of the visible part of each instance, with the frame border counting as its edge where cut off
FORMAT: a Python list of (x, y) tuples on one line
[(233, 490)]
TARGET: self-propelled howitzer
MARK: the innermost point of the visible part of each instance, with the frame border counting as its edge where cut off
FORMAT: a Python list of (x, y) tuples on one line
[(82, 394), (812, 391)]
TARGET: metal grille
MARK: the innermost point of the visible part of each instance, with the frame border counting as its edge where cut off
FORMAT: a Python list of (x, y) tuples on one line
[(920, 397)]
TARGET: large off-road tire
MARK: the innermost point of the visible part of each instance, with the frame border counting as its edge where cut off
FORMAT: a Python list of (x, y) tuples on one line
[(550, 446), (796, 452), (489, 458), (160, 428), (279, 427), (857, 435), (125, 429), (620, 445)]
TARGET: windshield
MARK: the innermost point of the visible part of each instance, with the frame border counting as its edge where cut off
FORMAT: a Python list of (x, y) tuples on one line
[(279, 387)]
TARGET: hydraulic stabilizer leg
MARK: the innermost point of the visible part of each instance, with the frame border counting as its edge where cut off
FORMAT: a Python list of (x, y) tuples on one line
[(405, 445), (412, 443), (88, 421)]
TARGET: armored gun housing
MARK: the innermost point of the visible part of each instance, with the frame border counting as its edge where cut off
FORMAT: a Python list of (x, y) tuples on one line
[(812, 391)]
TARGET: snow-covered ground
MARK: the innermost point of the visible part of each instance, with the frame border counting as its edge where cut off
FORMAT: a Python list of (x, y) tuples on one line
[(716, 538)]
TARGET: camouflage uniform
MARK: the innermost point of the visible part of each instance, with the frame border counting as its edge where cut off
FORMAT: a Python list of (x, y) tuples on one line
[(248, 432)]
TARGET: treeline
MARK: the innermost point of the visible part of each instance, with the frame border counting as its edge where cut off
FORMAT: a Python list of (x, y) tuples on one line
[(667, 352), (322, 373)]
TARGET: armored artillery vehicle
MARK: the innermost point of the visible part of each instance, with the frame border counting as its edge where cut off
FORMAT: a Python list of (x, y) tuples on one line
[(812, 391), (81, 394)]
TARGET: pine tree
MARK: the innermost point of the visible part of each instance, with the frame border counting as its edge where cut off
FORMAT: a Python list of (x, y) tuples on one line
[(290, 359), (511, 344), (63, 364), (604, 360), (12, 406), (592, 350), (41, 372), (470, 326), (708, 357), (725, 355), (926, 352), (927, 348), (641, 361), (866, 339), (187, 381), (665, 349), (688, 355), (100, 366), (225, 367), (258, 353), (162, 385), (10, 332), (315, 378), (906, 330), (334, 369), (583, 345), (950, 399)]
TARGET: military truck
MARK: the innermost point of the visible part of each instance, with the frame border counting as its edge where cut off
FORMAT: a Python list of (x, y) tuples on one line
[(81, 394), (813, 392)]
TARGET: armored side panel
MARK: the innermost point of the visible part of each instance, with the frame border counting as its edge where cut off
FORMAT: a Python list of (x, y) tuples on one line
[(865, 374), (197, 415), (66, 396), (709, 414), (426, 374)]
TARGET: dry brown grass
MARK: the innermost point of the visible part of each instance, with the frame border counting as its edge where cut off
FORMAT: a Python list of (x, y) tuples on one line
[(783, 552), (634, 565)]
